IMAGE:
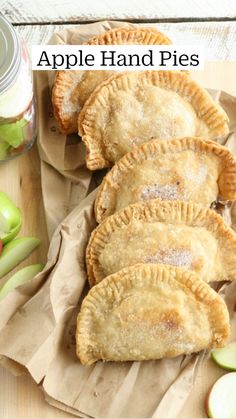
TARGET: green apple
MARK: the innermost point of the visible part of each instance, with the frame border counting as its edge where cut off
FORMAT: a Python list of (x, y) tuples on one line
[(13, 133), (221, 401), (226, 357), (10, 219), (20, 277), (15, 251), (4, 148)]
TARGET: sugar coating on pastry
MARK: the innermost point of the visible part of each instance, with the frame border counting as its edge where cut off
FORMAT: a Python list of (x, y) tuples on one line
[(133, 108), (73, 87), (167, 232), (70, 91), (149, 312), (187, 169)]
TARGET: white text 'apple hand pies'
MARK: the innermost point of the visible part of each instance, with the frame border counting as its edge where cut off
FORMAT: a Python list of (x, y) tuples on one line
[(73, 87)]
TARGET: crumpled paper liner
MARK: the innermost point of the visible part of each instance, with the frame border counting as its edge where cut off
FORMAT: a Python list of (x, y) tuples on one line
[(38, 319)]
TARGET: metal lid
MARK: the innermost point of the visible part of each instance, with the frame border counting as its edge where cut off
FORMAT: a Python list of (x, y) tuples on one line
[(10, 54)]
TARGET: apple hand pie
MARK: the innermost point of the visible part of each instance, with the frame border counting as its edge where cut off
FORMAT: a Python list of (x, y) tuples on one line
[(148, 312), (130, 109), (72, 88), (167, 232), (187, 169)]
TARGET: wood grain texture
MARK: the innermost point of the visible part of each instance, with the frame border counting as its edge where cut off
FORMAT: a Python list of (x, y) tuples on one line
[(21, 398), (20, 179), (218, 38), (28, 11)]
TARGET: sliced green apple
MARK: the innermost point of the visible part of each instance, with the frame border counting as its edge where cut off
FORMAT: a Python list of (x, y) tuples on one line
[(15, 251), (10, 219), (4, 225), (4, 148), (221, 402), (226, 357), (20, 278), (13, 133)]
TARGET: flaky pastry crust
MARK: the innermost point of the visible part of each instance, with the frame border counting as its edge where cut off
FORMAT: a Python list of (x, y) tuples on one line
[(149, 312), (167, 232), (190, 169), (72, 88), (130, 109), (128, 35)]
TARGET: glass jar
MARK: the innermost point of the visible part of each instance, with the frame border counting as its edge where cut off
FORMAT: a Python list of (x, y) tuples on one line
[(17, 107)]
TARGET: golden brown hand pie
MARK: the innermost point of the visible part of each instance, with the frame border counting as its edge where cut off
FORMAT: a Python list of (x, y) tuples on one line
[(187, 169), (150, 312), (72, 88), (167, 232), (130, 109)]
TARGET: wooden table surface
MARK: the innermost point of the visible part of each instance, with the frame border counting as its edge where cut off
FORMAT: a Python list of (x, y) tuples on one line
[(20, 178)]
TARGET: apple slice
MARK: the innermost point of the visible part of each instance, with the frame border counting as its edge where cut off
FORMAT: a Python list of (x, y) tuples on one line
[(221, 401), (10, 219), (226, 357), (4, 226), (15, 251), (13, 133), (4, 147), (20, 277)]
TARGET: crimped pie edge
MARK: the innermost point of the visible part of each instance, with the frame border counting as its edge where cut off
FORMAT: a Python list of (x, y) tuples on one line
[(180, 82), (147, 151), (176, 212), (118, 36), (147, 274)]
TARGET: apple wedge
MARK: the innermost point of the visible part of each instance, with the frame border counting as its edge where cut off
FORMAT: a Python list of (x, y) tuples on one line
[(21, 277), (4, 147), (221, 401), (10, 219), (226, 357), (13, 133), (15, 251)]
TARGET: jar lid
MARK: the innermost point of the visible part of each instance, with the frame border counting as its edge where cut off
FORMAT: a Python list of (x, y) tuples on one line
[(10, 56)]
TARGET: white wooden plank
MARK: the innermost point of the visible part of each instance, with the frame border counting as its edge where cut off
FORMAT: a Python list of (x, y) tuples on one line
[(29, 11), (217, 37)]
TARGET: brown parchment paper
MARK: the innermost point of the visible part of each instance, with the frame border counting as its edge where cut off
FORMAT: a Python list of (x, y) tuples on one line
[(37, 320)]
